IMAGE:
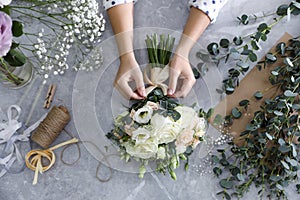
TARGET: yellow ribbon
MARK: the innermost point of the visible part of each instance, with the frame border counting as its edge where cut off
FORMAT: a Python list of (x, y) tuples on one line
[(158, 75), (34, 158)]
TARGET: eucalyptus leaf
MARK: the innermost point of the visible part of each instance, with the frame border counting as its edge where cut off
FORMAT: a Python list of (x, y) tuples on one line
[(237, 40), (213, 49), (227, 184), (285, 165), (289, 93), (258, 95), (224, 43), (236, 113)]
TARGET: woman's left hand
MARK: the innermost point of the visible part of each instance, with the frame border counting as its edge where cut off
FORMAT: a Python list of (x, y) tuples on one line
[(180, 68)]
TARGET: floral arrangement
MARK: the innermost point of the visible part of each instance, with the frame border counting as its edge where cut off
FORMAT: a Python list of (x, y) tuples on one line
[(70, 27), (158, 128)]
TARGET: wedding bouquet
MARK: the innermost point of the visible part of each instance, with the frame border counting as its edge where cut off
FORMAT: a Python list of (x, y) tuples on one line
[(158, 128)]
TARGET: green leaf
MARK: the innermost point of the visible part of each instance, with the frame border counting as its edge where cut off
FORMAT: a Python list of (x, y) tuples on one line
[(278, 113), (252, 56), (243, 65), (196, 73), (236, 113), (15, 58), (213, 49), (244, 102), (284, 148), (6, 9), (296, 106), (282, 10), (218, 120), (224, 43), (288, 61), (237, 40), (262, 27), (17, 28), (285, 165), (275, 178), (270, 58), (227, 184), (217, 171), (209, 113), (240, 177), (289, 93), (281, 48), (215, 159), (258, 95), (270, 137), (254, 45), (244, 19)]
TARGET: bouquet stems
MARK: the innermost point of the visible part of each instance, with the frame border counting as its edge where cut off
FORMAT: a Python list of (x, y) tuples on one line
[(159, 50), (8, 75)]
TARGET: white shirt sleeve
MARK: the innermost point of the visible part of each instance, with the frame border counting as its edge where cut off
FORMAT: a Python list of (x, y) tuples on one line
[(209, 7), (111, 3)]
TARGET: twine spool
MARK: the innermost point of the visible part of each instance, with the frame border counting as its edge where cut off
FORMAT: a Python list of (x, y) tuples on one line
[(51, 126)]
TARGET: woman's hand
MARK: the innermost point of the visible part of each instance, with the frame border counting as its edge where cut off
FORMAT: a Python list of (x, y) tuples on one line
[(180, 69), (129, 71)]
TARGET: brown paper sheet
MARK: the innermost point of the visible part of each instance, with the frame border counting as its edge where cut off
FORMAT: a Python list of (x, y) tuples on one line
[(254, 81)]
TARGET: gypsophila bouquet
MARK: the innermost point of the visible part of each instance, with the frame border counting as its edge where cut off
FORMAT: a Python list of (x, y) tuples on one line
[(70, 27), (158, 129)]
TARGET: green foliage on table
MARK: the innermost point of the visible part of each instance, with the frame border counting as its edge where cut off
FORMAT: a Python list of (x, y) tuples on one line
[(268, 152), (243, 49)]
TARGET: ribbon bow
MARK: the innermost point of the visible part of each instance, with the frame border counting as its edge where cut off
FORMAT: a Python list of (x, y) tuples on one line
[(34, 158), (9, 135), (157, 78)]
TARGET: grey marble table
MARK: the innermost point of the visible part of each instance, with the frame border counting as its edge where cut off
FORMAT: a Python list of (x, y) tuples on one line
[(93, 102)]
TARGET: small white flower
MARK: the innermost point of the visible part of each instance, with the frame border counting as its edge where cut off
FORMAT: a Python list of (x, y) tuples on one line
[(143, 115)]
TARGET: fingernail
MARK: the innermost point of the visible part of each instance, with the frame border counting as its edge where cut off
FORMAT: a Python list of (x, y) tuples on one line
[(170, 92), (144, 93)]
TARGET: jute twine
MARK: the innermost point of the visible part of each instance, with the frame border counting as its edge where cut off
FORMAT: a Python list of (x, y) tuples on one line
[(46, 133), (51, 126)]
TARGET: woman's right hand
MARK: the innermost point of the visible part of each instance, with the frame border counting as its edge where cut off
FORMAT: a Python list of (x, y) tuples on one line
[(129, 71)]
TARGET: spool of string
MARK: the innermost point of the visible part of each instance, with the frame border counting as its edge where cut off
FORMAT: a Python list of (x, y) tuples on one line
[(51, 126)]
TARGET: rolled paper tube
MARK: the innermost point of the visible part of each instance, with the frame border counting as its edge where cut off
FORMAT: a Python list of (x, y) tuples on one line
[(51, 126)]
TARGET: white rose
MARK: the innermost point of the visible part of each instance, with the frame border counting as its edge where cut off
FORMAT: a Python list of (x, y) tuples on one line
[(4, 3), (166, 130), (161, 153), (145, 150), (143, 115), (185, 138), (158, 121), (140, 135), (168, 133), (187, 116)]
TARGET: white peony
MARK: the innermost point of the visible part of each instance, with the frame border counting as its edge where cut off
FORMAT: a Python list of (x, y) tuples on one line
[(143, 115), (188, 114), (140, 135), (145, 150), (161, 153), (4, 3)]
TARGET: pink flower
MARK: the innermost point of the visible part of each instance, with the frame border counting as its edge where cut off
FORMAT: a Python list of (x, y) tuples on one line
[(5, 34)]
